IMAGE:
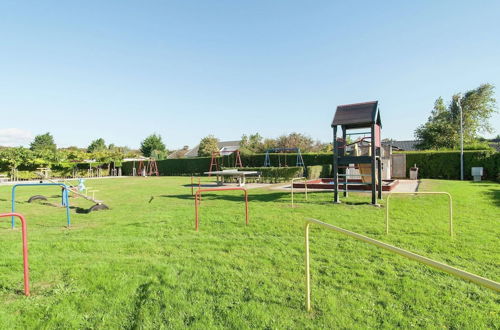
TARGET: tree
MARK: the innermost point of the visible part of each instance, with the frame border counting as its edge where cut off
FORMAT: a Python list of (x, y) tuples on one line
[(208, 145), (151, 143), (16, 156), (442, 129), (97, 145), (251, 144), (438, 131), (43, 142), (295, 140)]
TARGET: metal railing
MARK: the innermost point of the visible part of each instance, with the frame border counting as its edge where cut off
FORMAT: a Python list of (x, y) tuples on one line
[(410, 255), (64, 201), (305, 184), (192, 185), (419, 193), (25, 249), (197, 200)]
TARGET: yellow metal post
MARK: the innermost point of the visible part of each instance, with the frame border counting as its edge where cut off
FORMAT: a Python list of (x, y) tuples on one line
[(410, 255), (308, 272), (450, 202)]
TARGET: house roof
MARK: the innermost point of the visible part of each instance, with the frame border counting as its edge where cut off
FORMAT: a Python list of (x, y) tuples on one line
[(178, 154), (357, 115), (408, 145), (226, 145)]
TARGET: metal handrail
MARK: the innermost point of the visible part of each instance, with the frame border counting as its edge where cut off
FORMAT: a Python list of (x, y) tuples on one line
[(305, 184), (420, 193), (24, 230), (410, 255), (64, 202), (197, 200), (192, 185)]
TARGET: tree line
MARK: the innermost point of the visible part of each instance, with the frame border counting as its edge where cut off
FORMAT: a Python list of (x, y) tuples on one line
[(255, 144), (43, 151)]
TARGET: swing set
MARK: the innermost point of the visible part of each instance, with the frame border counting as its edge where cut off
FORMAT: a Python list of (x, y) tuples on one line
[(148, 169), (216, 155), (299, 161)]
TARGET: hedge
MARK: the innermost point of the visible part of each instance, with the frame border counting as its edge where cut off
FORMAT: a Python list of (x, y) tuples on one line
[(319, 171), (432, 164), (446, 165), (277, 174), (169, 167)]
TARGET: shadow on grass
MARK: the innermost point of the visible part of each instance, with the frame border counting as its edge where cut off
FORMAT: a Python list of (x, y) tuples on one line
[(11, 290), (494, 195), (272, 197)]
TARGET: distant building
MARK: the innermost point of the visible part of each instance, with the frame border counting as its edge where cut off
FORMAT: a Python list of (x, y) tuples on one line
[(181, 153), (407, 145), (225, 148)]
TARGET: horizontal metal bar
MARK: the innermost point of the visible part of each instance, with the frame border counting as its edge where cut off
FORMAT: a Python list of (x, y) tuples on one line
[(346, 160), (354, 175), (360, 133), (490, 284)]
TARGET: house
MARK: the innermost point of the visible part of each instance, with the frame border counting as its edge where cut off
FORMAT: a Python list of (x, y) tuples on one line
[(225, 148), (181, 153), (407, 145)]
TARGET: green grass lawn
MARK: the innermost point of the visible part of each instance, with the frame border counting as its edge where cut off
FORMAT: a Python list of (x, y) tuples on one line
[(142, 265)]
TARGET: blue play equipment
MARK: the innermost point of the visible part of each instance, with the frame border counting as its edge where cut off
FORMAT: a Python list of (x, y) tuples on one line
[(64, 197), (81, 185)]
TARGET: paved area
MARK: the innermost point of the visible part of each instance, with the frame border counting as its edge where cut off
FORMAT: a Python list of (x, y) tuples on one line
[(407, 186), (230, 185), (403, 186)]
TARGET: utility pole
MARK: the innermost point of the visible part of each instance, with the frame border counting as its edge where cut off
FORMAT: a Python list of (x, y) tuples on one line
[(461, 139)]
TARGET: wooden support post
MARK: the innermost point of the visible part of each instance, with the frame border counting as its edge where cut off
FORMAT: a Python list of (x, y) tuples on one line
[(374, 157), (335, 167), (342, 153), (379, 170)]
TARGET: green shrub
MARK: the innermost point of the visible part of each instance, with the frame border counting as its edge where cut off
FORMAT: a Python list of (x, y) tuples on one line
[(319, 171)]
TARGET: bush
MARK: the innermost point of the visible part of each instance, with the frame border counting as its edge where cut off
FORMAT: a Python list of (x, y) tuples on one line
[(319, 171), (446, 165)]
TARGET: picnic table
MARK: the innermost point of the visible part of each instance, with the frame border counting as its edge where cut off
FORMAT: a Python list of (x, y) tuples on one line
[(239, 175)]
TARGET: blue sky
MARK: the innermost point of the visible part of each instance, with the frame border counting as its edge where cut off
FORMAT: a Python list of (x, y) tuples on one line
[(185, 69)]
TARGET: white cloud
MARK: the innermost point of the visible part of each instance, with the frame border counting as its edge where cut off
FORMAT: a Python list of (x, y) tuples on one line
[(15, 137)]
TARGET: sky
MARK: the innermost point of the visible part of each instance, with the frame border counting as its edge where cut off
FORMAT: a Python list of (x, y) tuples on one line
[(122, 70)]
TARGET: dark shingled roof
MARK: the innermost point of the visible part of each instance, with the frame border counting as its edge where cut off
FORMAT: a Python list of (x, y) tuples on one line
[(357, 115)]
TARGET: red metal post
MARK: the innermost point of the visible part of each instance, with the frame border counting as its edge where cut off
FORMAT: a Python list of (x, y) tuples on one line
[(196, 209), (246, 207), (198, 195), (25, 249)]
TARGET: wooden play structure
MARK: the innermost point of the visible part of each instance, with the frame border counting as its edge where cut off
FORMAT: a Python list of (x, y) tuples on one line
[(364, 153)]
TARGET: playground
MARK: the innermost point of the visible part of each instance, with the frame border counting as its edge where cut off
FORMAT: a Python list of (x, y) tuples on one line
[(143, 264)]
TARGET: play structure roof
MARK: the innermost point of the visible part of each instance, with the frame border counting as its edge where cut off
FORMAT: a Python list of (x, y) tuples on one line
[(357, 115)]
